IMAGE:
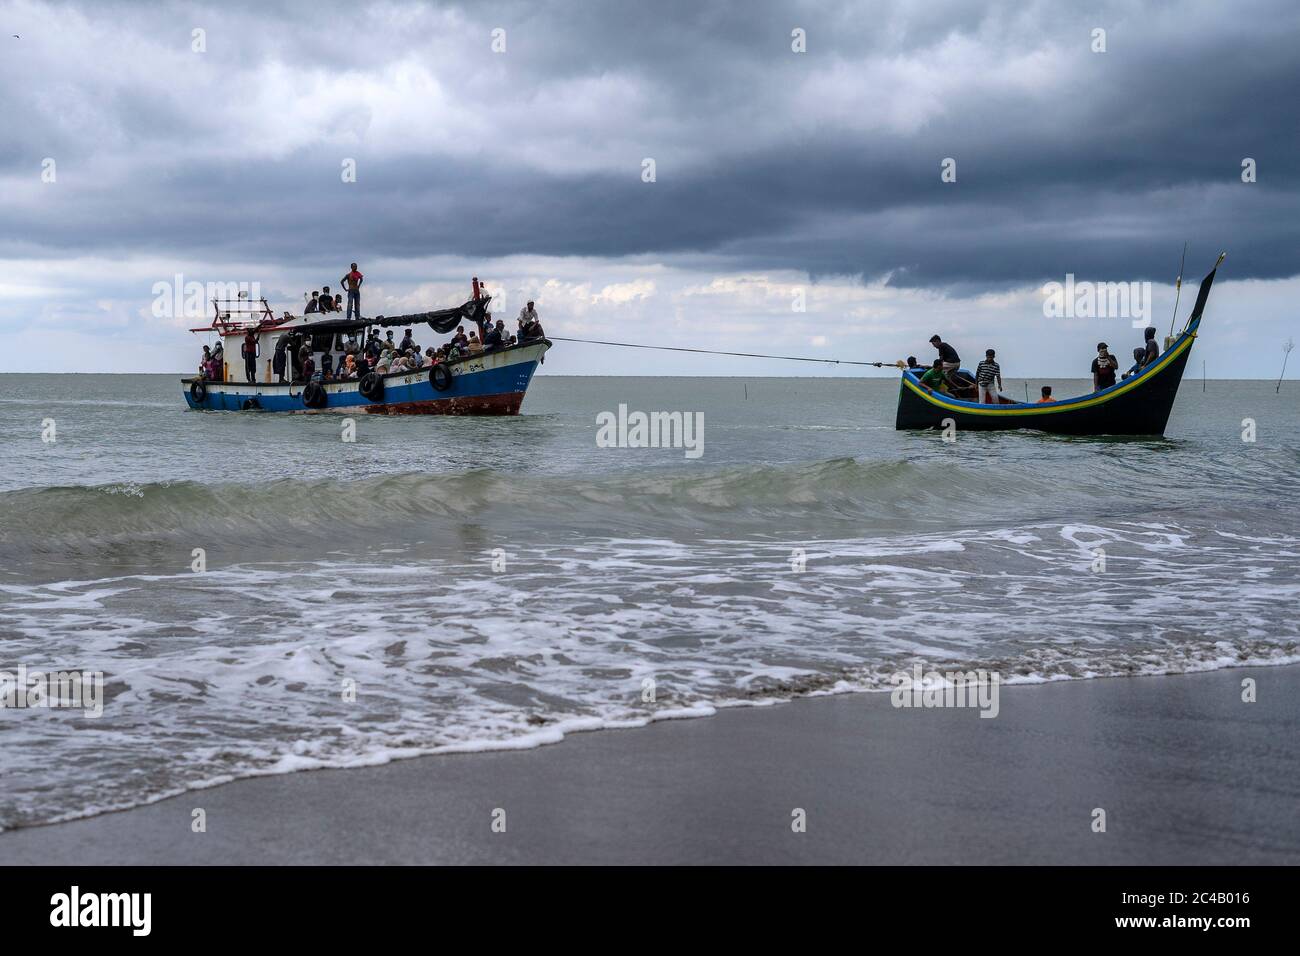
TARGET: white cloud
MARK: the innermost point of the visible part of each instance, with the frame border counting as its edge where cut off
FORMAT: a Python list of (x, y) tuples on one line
[(105, 324)]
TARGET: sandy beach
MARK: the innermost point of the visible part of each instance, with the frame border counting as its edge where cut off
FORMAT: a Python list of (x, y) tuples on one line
[(1186, 772)]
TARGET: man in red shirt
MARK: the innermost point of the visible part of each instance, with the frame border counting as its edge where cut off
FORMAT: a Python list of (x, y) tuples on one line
[(249, 350), (352, 282)]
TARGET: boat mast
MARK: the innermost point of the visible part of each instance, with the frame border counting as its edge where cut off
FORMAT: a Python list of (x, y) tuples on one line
[(1178, 291)]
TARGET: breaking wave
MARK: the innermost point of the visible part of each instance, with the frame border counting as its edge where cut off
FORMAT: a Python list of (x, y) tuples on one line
[(826, 496)]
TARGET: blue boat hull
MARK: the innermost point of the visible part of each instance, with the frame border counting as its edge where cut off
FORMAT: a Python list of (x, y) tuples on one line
[(489, 384)]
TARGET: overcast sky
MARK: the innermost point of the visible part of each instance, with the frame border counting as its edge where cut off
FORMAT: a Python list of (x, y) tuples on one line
[(780, 177)]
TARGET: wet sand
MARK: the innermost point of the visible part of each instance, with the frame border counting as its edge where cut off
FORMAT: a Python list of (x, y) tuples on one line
[(1186, 773)]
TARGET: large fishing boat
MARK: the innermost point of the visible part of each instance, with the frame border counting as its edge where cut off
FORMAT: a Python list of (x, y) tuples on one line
[(489, 383), (1138, 405)]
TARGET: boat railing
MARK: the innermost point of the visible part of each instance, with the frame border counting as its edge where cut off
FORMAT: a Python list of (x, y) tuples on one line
[(232, 316)]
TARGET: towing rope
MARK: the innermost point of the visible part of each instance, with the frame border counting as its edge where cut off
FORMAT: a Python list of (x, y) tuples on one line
[(674, 348)]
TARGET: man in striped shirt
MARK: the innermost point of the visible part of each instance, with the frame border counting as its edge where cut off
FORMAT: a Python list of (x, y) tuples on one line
[(986, 374)]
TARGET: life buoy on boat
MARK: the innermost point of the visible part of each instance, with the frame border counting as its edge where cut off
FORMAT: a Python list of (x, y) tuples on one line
[(251, 405), (440, 377), (372, 386), (198, 392), (313, 396)]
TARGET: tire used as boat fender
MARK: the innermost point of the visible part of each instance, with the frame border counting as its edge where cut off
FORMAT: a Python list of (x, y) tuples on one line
[(198, 392), (371, 386), (251, 405), (313, 396), (440, 377)]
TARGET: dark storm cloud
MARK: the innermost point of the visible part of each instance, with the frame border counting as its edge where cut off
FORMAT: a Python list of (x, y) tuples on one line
[(1102, 171)]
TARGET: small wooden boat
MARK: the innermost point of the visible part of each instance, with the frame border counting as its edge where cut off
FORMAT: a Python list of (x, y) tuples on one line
[(492, 382), (1137, 405)]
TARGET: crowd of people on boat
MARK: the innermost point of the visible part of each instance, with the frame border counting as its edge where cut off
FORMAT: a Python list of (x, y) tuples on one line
[(942, 374), (298, 357)]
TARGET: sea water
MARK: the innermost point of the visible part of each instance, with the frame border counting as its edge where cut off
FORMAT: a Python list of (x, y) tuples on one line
[(260, 595)]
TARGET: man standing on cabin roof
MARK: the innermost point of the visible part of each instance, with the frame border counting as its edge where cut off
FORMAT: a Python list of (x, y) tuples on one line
[(352, 283), (985, 375), (947, 354)]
